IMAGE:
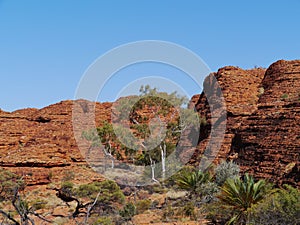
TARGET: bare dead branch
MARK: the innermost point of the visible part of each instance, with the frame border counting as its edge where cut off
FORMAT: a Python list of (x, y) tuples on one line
[(8, 216)]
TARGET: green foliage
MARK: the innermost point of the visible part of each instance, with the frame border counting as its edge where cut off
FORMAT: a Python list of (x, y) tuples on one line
[(124, 139), (173, 179), (92, 136), (67, 185), (142, 129), (191, 180), (168, 213), (162, 97), (125, 106), (88, 190), (9, 183), (189, 210), (143, 205), (284, 96), (206, 192), (128, 211), (153, 137), (241, 195), (226, 170), (109, 191), (22, 205), (103, 221), (282, 207), (106, 136), (38, 204), (106, 132)]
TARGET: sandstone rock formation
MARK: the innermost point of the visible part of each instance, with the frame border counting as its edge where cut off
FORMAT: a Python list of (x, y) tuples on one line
[(240, 90), (261, 121), (39, 144), (268, 142), (262, 133)]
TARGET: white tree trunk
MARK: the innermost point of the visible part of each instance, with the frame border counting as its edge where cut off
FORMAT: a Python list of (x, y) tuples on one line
[(163, 152), (152, 164), (109, 155)]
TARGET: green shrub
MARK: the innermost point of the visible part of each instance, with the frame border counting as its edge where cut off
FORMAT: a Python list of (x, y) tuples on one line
[(128, 211), (206, 192), (172, 180), (226, 170), (109, 191), (241, 194), (190, 181), (103, 221), (284, 96), (38, 204), (168, 213), (9, 182), (282, 207), (189, 210), (88, 190), (143, 205), (67, 185)]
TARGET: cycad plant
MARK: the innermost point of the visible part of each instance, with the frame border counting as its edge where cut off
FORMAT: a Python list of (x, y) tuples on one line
[(190, 180), (241, 194)]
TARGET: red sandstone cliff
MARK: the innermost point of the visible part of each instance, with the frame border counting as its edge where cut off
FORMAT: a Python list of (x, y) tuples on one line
[(261, 120), (39, 144), (268, 142)]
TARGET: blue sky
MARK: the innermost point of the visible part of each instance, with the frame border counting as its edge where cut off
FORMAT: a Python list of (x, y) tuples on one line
[(46, 46)]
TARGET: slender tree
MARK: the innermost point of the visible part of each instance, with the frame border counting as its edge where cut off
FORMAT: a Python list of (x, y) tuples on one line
[(147, 128)]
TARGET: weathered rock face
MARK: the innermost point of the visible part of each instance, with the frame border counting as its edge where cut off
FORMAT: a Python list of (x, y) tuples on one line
[(40, 143), (268, 142), (240, 90), (263, 119)]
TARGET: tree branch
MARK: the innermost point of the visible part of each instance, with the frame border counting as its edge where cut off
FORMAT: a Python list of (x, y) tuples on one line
[(41, 217), (90, 208), (8, 216)]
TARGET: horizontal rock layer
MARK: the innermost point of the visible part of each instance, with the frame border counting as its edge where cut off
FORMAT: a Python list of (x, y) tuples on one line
[(263, 117)]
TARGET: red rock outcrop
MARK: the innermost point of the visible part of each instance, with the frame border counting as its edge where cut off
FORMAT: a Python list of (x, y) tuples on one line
[(37, 143), (240, 90), (261, 121), (263, 118), (268, 142)]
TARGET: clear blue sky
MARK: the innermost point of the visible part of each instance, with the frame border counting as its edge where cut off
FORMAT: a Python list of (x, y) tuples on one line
[(45, 46)]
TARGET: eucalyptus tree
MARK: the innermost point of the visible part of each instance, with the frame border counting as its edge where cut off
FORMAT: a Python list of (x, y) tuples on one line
[(158, 120), (147, 128)]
